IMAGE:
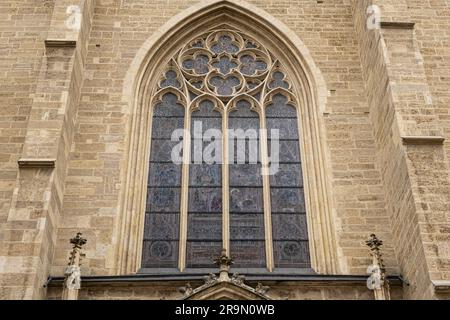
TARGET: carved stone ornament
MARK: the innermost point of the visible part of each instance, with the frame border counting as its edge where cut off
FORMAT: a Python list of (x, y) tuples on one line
[(72, 274), (377, 281), (224, 286), (374, 282), (73, 277)]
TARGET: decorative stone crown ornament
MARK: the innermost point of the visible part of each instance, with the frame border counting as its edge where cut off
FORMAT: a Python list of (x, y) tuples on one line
[(72, 281), (224, 286), (377, 280)]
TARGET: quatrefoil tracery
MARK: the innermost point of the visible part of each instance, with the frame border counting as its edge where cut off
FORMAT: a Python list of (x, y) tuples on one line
[(224, 64)]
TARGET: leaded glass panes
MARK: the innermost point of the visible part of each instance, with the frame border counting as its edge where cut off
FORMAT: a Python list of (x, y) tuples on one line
[(289, 231), (204, 234), (161, 232), (247, 241), (224, 78)]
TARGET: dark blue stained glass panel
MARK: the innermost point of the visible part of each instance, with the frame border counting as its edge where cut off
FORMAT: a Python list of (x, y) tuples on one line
[(289, 226), (199, 64), (205, 200), (247, 239), (244, 151), (161, 226), (248, 254), (163, 200), (245, 175), (247, 226), (201, 254), (224, 85), (201, 124), (168, 107), (278, 81), (205, 175), (243, 110), (161, 151), (160, 254), (279, 108), (204, 238), (250, 66), (163, 127), (246, 200), (288, 150), (224, 65), (245, 124), (206, 109), (288, 175), (164, 175), (287, 127), (225, 44), (287, 200), (161, 233), (170, 80), (209, 152), (291, 254), (205, 227)]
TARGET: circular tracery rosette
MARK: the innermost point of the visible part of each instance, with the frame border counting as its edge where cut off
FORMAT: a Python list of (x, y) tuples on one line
[(195, 62), (224, 41), (225, 86), (224, 63)]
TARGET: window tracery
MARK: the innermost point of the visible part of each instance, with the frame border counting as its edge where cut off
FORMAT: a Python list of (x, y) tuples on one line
[(226, 80)]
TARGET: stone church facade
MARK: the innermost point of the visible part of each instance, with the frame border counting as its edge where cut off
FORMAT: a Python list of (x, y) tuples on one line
[(91, 91)]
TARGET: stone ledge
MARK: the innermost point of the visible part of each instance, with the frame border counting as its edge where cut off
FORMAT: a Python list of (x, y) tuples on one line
[(411, 140), (441, 286), (397, 25), (309, 279), (36, 163), (59, 43)]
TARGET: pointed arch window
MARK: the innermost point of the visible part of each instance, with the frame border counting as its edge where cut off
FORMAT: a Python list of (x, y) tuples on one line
[(230, 187)]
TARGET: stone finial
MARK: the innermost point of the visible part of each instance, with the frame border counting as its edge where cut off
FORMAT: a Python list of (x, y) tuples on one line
[(375, 247), (224, 261), (72, 281), (377, 280), (75, 255), (78, 242)]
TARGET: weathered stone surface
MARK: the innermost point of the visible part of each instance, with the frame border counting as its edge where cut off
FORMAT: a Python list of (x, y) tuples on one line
[(64, 101)]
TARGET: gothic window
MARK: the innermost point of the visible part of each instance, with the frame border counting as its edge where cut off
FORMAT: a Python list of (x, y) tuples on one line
[(232, 178)]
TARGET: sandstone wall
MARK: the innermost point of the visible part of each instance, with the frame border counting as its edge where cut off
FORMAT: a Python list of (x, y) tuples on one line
[(61, 106)]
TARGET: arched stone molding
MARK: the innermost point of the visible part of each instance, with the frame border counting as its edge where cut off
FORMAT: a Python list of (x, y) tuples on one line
[(308, 83)]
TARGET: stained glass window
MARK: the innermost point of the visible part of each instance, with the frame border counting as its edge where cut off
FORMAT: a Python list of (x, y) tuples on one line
[(247, 240), (224, 89), (161, 233), (204, 237), (290, 238)]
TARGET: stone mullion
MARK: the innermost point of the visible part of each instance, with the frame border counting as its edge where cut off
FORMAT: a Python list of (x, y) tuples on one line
[(266, 191), (225, 185), (184, 201)]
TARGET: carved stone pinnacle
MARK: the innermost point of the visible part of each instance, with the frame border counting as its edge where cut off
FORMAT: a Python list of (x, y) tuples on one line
[(224, 261)]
